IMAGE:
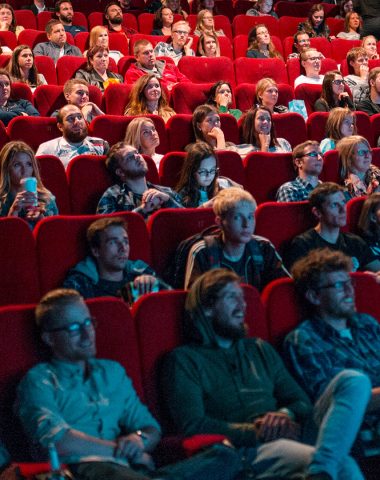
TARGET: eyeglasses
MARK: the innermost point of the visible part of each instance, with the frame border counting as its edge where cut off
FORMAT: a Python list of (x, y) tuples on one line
[(338, 82), (205, 173), (181, 32), (312, 154), (314, 59), (340, 285), (364, 153), (75, 329)]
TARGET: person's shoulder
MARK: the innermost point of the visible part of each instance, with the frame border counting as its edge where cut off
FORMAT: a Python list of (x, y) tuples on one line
[(35, 374)]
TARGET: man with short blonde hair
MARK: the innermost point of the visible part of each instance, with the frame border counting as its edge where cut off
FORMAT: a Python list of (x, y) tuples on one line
[(180, 44)]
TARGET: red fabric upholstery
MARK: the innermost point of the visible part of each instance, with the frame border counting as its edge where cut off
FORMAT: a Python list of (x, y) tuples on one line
[(251, 70), (245, 94), (187, 96), (54, 178), (4, 138), (33, 130), (289, 25), (18, 264), (207, 70), (331, 167), (366, 291), (231, 166), (22, 90), (292, 9), (194, 444), (340, 47), (79, 18), (240, 7), (170, 168), (266, 172), (316, 125), (145, 21), (95, 18), (9, 39), (290, 126), (294, 68), (81, 40), (31, 37), (45, 65), (309, 94), (4, 60), (72, 234), (375, 127), (280, 222), (225, 44), (116, 98), (363, 125), (119, 42), (124, 63), (336, 25), (240, 43), (181, 224), (354, 208), (67, 66), (243, 24), (26, 19)]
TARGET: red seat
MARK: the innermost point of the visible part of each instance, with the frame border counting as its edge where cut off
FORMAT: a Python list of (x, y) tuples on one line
[(19, 281), (54, 178), (262, 185), (181, 223), (251, 70), (243, 24), (67, 66), (71, 232), (186, 97), (26, 19), (124, 63), (116, 98), (316, 123), (291, 9), (8, 39), (363, 124), (331, 167), (245, 94), (4, 60), (240, 43), (31, 37), (45, 65), (43, 18), (145, 22), (22, 90), (94, 19), (354, 208), (309, 93), (336, 25), (291, 126), (81, 40), (288, 26), (225, 45), (118, 42), (294, 68), (33, 130), (4, 138), (340, 47), (281, 222), (207, 70), (375, 126)]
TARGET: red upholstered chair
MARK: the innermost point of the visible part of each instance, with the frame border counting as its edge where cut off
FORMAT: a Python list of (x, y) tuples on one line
[(31, 37), (4, 138), (281, 222), (240, 7), (19, 281), (336, 25), (245, 95), (119, 42), (309, 94), (54, 178), (316, 125), (289, 25), (45, 65), (375, 126), (33, 130), (95, 18), (291, 9), (251, 70), (187, 96), (153, 39), (81, 40), (354, 208), (79, 18), (376, 156), (366, 290), (340, 47), (130, 21), (145, 21), (8, 39), (73, 247), (225, 44), (67, 66), (170, 168), (124, 63), (243, 24), (26, 19), (116, 98), (291, 126), (262, 184), (294, 68), (331, 167), (4, 60), (363, 125), (240, 43), (22, 90), (112, 128), (207, 70), (231, 166), (181, 223)]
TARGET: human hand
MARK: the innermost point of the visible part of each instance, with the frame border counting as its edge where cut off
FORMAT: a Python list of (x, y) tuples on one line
[(155, 196), (4, 25), (144, 283), (275, 425), (223, 99), (187, 46), (130, 447), (364, 70), (23, 200), (264, 139)]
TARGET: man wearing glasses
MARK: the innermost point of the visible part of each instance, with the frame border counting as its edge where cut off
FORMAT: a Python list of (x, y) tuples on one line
[(336, 350), (308, 163), (180, 44), (328, 205), (311, 61), (371, 104), (301, 43)]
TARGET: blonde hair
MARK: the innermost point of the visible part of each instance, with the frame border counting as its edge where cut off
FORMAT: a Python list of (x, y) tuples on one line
[(229, 199), (346, 150), (335, 120), (199, 26), (201, 44), (133, 132), (94, 35), (262, 85)]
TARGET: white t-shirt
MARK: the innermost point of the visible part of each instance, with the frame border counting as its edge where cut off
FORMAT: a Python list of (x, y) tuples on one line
[(305, 79)]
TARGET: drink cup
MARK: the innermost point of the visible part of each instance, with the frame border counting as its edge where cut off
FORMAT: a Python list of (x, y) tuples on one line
[(29, 184)]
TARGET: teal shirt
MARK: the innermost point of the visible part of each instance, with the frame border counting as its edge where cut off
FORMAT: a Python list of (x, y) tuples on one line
[(54, 398)]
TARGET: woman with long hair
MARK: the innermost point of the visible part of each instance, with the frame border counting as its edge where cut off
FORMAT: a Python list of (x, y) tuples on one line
[(220, 96), (369, 223), (267, 96), (333, 94), (142, 134), (206, 126), (315, 25), (99, 37), (8, 22), (163, 21), (208, 46), (359, 175), (97, 72), (262, 8), (23, 69), (260, 44), (205, 24), (352, 25), (148, 96), (18, 163), (199, 179), (340, 123), (258, 130)]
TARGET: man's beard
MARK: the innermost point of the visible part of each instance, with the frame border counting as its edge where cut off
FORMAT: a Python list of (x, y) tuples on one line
[(230, 332), (66, 19), (117, 20), (76, 137)]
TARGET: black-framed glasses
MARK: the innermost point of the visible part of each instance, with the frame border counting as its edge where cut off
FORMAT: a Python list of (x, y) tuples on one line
[(338, 82), (206, 173), (75, 329), (339, 285)]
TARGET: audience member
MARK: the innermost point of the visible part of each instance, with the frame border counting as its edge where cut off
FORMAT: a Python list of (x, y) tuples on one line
[(207, 5), (352, 25), (260, 44), (262, 8), (236, 248), (204, 380), (175, 7), (99, 38), (205, 24), (179, 45), (301, 43), (148, 96), (258, 130), (75, 140), (9, 106), (8, 21), (199, 179), (311, 61), (345, 7), (315, 25), (360, 176), (267, 96), (89, 409), (107, 271), (132, 192), (206, 127), (113, 16), (357, 78), (57, 45), (23, 69), (340, 123), (308, 163), (370, 46), (146, 63), (65, 13), (18, 169), (37, 6), (142, 134), (370, 12), (163, 21), (208, 46), (220, 96), (371, 104), (333, 93), (97, 72), (328, 205), (369, 223)]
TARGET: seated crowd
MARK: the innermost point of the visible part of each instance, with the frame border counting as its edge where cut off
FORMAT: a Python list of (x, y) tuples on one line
[(294, 415)]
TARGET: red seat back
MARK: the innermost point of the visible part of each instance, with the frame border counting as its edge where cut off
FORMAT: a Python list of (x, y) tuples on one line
[(187, 96), (331, 167), (288, 25), (33, 130), (45, 65), (243, 24), (375, 127), (251, 70), (340, 47), (207, 70), (26, 19), (31, 37), (116, 98), (354, 208), (9, 39), (54, 178), (67, 66), (291, 126)]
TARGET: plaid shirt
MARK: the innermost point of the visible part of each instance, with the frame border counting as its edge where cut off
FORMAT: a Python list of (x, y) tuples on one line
[(317, 352), (295, 191)]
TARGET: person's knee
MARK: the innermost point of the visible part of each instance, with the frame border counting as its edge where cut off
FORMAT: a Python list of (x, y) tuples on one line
[(292, 451), (354, 383)]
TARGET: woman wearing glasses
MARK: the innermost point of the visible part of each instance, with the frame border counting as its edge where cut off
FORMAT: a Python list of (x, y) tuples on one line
[(340, 124), (199, 180), (333, 93), (359, 175)]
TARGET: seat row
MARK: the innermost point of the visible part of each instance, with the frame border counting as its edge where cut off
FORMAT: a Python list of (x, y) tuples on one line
[(28, 260)]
